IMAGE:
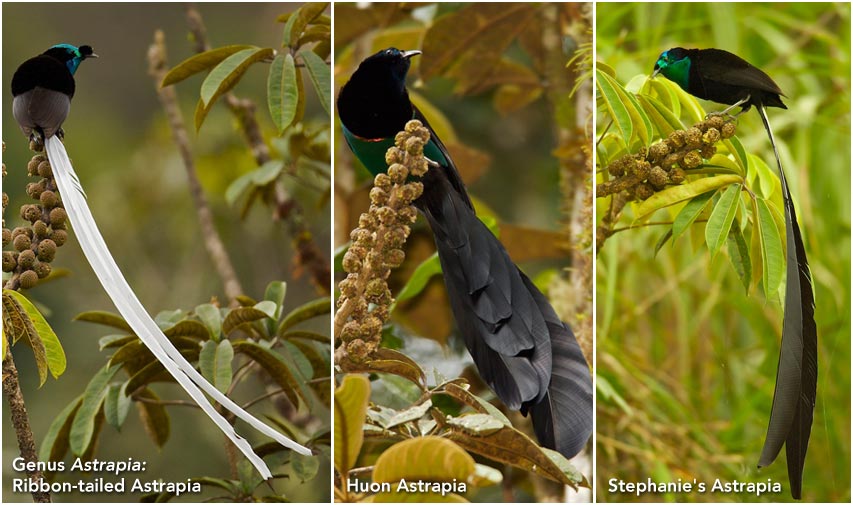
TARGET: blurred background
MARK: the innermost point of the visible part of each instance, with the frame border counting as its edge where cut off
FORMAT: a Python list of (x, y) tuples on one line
[(122, 149), (686, 362)]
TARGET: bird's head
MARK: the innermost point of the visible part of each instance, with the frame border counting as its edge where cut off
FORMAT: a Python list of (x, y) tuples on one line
[(391, 61), (71, 55), (674, 64)]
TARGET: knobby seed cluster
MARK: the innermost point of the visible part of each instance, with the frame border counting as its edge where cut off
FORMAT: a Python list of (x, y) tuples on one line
[(664, 163), (34, 244), (377, 246)]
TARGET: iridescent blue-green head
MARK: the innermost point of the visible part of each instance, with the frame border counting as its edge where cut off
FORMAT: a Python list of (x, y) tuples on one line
[(72, 56), (674, 64)]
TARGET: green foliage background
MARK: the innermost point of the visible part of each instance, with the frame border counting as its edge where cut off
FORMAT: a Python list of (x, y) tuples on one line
[(122, 148), (686, 362)]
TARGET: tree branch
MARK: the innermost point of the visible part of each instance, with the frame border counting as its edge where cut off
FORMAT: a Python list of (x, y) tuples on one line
[(212, 242)]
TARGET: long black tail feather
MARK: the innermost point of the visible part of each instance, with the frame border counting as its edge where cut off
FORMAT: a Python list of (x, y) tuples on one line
[(521, 348), (796, 378)]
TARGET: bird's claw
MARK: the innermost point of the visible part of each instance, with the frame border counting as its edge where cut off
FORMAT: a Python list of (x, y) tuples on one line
[(432, 164), (61, 134), (37, 140)]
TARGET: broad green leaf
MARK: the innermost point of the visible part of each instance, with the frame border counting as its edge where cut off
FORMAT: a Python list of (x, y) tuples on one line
[(314, 308), (214, 360), (227, 73), (739, 256), (477, 424), (720, 221), (276, 292), (83, 426), (767, 180), (294, 356), (420, 277), (187, 328), (736, 148), (393, 362), (664, 121), (320, 76), (104, 318), (116, 405), (642, 124), (238, 187), (53, 352), (304, 467), (429, 458), (16, 319), (287, 377), (681, 192), (200, 62), (468, 398), (240, 316), (297, 21), (608, 87), (350, 411), (410, 414), (486, 476), (267, 307), (771, 249), (154, 417), (692, 210), (55, 443), (211, 317), (110, 341), (282, 91)]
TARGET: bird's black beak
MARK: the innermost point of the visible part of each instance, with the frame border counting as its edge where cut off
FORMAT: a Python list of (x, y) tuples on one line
[(409, 54)]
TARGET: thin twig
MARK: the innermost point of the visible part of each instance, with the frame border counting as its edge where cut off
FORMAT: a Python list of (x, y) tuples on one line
[(176, 403), (212, 242)]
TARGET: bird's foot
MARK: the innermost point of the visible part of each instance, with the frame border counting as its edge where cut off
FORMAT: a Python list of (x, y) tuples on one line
[(432, 164), (61, 134), (36, 141), (725, 115)]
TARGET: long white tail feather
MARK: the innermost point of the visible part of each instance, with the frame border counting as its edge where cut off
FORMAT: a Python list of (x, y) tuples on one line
[(146, 329)]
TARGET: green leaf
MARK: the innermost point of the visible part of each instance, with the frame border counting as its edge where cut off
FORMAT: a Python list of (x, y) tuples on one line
[(320, 76), (304, 467), (238, 187), (477, 424), (692, 210), (314, 308), (720, 221), (104, 318), (771, 249), (608, 89), (350, 411), (55, 443), (739, 255), (200, 62), (410, 414), (662, 241), (187, 328), (429, 458), (681, 192), (116, 405), (285, 376), (282, 91), (226, 74), (110, 341), (276, 292), (297, 21), (53, 352), (214, 360), (15, 318), (420, 277), (211, 317), (240, 316), (83, 426), (154, 417)]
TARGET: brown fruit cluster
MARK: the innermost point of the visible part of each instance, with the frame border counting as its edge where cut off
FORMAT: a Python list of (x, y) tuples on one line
[(377, 246), (665, 163), (33, 245)]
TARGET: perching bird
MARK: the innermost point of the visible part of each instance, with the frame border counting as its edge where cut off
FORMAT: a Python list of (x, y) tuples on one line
[(43, 87), (720, 76), (521, 348)]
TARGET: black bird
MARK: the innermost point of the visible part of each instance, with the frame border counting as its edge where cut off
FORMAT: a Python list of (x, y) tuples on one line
[(720, 76), (521, 348), (43, 87)]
